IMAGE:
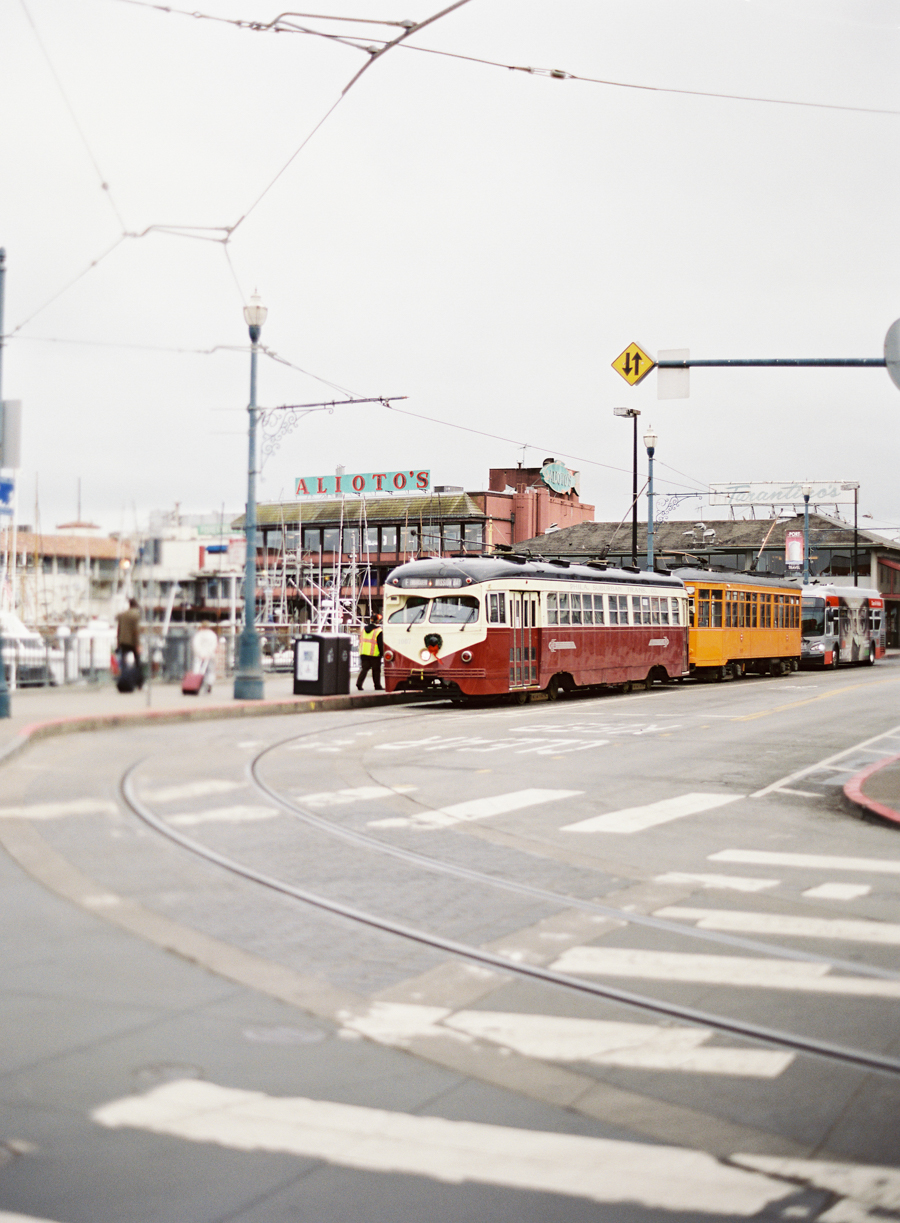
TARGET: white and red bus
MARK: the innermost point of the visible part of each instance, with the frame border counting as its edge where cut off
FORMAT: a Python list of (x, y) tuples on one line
[(841, 624), (491, 625)]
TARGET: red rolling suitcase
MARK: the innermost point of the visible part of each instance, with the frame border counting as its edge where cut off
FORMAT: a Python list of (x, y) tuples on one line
[(192, 683)]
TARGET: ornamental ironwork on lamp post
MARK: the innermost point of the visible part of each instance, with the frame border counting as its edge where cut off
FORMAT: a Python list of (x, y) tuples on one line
[(650, 440), (248, 678)]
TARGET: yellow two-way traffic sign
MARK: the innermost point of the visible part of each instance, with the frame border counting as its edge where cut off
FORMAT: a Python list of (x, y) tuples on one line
[(633, 364)]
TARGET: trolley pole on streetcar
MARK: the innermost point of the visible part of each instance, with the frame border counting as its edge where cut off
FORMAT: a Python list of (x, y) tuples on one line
[(248, 679), (650, 440), (807, 489), (634, 414)]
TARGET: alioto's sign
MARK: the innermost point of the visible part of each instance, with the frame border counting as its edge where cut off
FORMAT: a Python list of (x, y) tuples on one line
[(364, 482)]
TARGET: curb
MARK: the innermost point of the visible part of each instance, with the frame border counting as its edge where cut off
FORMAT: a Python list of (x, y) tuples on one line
[(205, 713), (854, 791)]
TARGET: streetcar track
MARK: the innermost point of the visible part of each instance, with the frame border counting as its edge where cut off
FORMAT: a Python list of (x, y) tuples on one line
[(827, 1050), (561, 899)]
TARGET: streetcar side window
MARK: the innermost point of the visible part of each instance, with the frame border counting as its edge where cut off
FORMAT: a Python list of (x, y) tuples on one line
[(676, 611), (496, 608), (412, 611), (618, 609), (564, 609), (703, 609), (587, 609), (754, 611), (552, 610), (654, 610), (575, 607), (598, 609), (640, 609)]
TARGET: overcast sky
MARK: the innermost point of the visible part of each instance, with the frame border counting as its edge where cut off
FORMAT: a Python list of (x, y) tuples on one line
[(483, 241)]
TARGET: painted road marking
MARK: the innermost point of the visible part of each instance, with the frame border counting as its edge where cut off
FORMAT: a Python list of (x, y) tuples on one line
[(827, 862), (884, 738), (838, 928), (372, 1139), (474, 743), (866, 1184), (555, 1038), (637, 819), (476, 809), (719, 970), (732, 883), (192, 789), (336, 798), (53, 811), (241, 814), (838, 891)]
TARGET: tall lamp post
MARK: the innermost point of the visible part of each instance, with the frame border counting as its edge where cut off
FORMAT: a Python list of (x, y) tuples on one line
[(650, 440), (248, 679), (5, 710), (855, 488), (807, 489), (634, 414)]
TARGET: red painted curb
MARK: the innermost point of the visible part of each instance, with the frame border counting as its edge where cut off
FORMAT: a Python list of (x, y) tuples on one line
[(853, 790)]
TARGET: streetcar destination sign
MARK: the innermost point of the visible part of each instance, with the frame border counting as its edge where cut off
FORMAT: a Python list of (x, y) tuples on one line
[(633, 364), (363, 482)]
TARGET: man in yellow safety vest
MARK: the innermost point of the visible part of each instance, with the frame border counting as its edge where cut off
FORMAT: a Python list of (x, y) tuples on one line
[(371, 646)]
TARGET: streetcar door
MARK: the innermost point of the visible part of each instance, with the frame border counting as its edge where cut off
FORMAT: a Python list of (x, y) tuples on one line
[(523, 651)]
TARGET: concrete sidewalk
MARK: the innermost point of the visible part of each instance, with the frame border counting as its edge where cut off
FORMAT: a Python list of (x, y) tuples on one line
[(42, 712)]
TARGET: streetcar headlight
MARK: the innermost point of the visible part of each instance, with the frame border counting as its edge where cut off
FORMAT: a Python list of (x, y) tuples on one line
[(466, 655), (426, 655)]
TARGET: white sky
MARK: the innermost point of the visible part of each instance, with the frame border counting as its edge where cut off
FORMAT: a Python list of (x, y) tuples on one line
[(481, 240)]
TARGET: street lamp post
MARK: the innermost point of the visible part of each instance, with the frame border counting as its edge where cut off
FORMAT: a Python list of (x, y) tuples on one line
[(248, 679), (855, 488), (5, 710), (807, 489), (650, 440), (634, 414)]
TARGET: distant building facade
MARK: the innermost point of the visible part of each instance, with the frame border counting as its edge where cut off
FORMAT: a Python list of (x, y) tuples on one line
[(68, 577), (744, 545)]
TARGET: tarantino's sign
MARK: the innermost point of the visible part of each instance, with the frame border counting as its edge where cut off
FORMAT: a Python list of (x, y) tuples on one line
[(364, 482)]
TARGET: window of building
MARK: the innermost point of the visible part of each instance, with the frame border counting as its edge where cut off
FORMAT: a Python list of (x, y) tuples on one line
[(473, 535), (371, 539), (331, 539), (312, 539), (431, 538), (409, 539), (389, 539), (452, 536)]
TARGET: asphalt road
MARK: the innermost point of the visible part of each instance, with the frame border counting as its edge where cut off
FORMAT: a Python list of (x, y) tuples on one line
[(374, 965)]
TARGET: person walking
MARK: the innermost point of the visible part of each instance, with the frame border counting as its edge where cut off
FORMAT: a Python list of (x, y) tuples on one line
[(128, 640), (371, 647), (204, 647)]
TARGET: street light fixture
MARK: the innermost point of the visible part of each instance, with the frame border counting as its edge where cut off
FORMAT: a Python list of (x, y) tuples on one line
[(634, 414), (807, 489), (650, 440), (855, 487), (248, 678)]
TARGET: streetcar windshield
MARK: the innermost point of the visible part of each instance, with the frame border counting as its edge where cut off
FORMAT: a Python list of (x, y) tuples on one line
[(412, 611), (813, 622), (454, 609)]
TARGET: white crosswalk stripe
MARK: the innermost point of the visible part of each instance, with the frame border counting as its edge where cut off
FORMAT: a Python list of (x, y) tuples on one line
[(371, 1139), (726, 883), (637, 819), (555, 1038), (825, 862), (54, 811), (476, 809), (739, 971), (840, 929), (359, 794)]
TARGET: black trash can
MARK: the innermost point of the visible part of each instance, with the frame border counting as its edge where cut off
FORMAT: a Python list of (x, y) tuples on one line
[(321, 664)]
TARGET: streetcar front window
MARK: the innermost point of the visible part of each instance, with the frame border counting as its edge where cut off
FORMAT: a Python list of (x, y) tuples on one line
[(454, 609), (412, 611), (813, 623)]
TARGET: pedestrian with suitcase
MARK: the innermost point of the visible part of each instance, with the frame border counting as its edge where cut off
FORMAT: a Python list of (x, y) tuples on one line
[(128, 648), (204, 646)]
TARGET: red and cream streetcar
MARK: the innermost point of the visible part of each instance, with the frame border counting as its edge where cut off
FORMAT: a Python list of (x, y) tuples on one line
[(491, 625)]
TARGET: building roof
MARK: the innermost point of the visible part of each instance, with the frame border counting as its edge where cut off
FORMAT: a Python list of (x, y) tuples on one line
[(96, 547), (598, 538), (431, 507)]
